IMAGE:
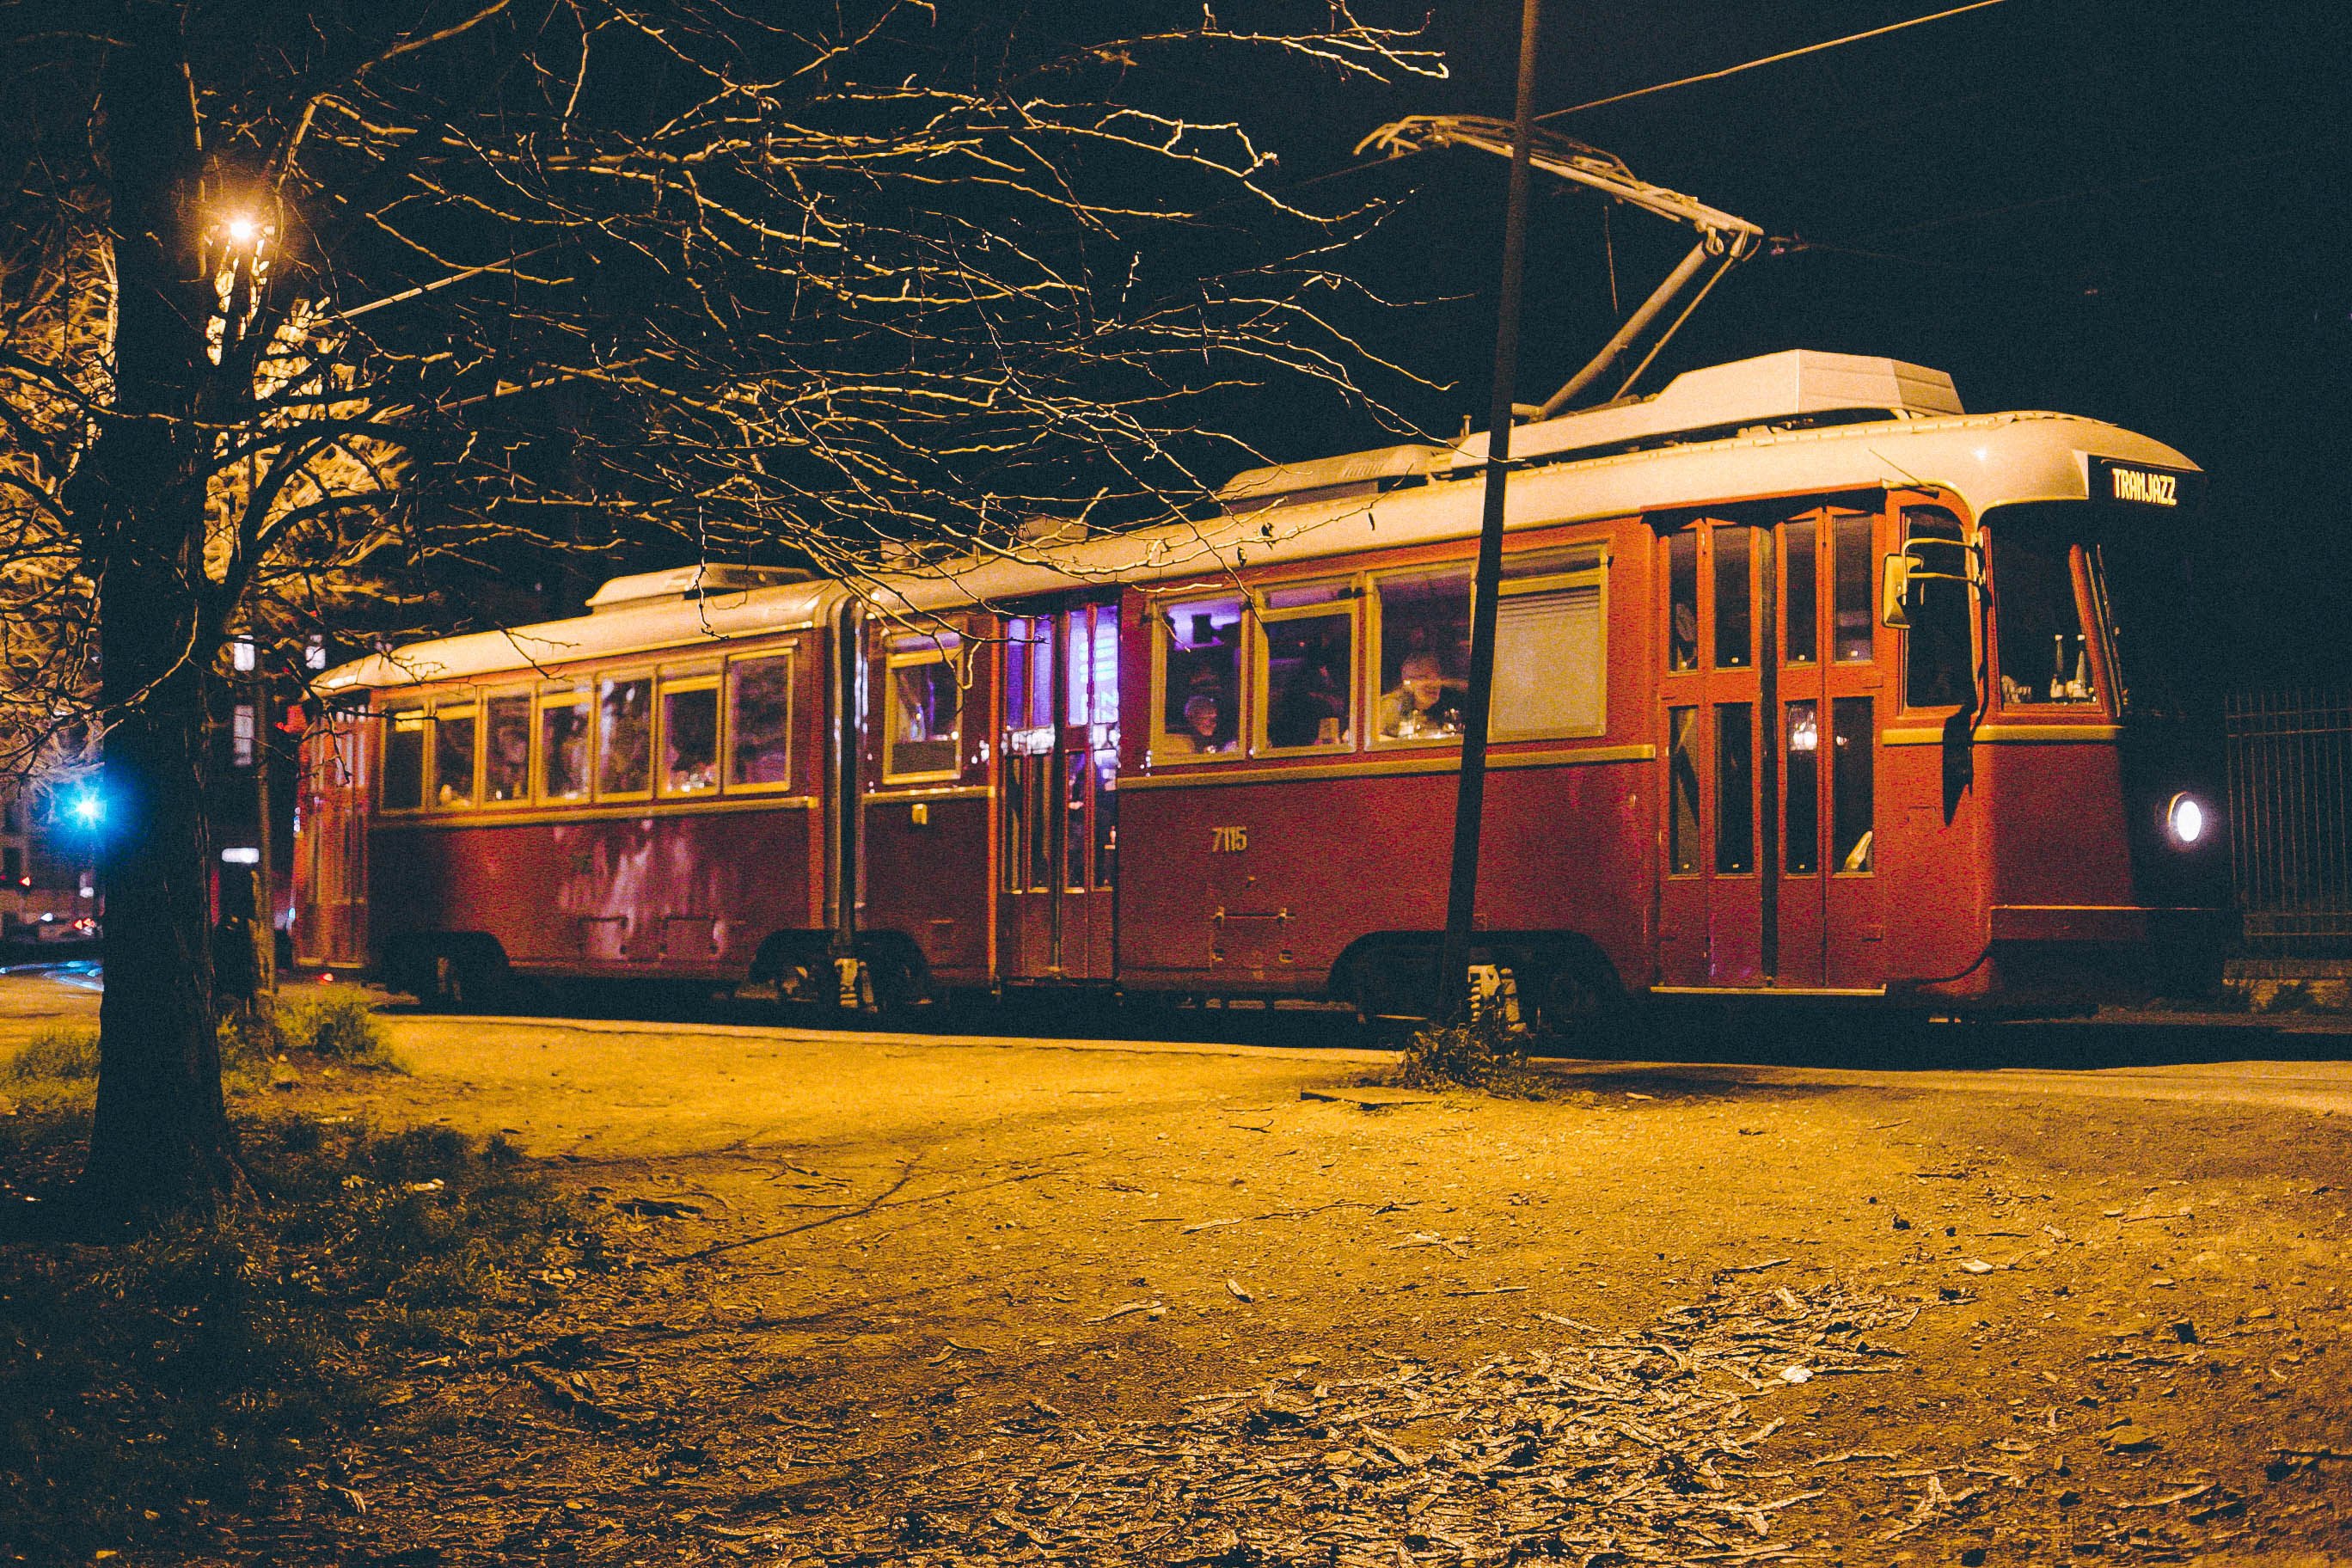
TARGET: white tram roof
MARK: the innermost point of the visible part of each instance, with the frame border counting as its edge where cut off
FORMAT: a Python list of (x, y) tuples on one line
[(1790, 424)]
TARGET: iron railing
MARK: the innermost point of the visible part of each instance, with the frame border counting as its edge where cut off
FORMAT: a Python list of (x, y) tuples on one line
[(2290, 762)]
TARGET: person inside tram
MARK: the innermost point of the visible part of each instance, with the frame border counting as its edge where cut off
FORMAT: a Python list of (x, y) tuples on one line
[(509, 763), (1310, 707), (1204, 722), (1425, 703), (691, 731)]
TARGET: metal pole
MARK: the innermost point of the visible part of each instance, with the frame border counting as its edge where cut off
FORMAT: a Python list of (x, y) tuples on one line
[(264, 869), (1469, 804), (1635, 325)]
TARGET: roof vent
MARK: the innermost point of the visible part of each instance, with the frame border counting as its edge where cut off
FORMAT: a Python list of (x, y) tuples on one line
[(1800, 385), (678, 583), (1329, 479)]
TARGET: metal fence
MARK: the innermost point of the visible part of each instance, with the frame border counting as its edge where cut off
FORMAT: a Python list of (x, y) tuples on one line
[(2291, 856)]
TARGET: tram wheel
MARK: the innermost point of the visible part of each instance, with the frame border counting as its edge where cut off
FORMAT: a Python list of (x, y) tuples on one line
[(1577, 1008)]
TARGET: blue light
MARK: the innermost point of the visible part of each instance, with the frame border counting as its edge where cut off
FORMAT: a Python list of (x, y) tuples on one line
[(88, 809)]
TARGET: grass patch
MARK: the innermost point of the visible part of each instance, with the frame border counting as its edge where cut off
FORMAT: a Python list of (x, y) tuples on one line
[(337, 1023), (336, 1027), (58, 1053), (207, 1357)]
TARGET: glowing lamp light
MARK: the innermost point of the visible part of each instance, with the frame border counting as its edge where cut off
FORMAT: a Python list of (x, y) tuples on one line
[(2184, 819), (242, 229), (89, 810)]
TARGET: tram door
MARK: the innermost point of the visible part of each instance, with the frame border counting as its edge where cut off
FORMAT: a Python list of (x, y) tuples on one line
[(1058, 851), (1769, 732)]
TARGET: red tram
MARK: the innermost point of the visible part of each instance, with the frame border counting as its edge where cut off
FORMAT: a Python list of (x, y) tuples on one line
[(1807, 683)]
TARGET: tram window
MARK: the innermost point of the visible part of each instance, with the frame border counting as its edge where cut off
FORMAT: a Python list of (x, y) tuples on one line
[(506, 752), (1105, 710), (1852, 738), (1803, 740), (759, 722), (1107, 816), (1424, 654), (1079, 643), (563, 746), (1735, 787), (1201, 673), (2043, 655), (1682, 601), (1091, 638), (1551, 666), (1075, 837), (1037, 800), (1850, 588), (689, 734), (625, 735), (1734, 611), (1803, 609), (453, 757), (926, 719), (1682, 787), (1029, 673), (1936, 672), (404, 761), (1308, 677)]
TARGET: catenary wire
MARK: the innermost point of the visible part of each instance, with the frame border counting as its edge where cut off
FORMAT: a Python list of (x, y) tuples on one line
[(1769, 60)]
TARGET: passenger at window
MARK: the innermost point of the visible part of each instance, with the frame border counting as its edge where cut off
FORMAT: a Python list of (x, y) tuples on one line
[(628, 762), (508, 768), (1425, 705), (1311, 708), (1204, 722)]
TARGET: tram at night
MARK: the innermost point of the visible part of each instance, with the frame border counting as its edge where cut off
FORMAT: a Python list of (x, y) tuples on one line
[(1808, 684)]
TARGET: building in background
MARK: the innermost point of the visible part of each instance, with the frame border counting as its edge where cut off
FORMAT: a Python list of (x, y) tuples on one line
[(48, 880)]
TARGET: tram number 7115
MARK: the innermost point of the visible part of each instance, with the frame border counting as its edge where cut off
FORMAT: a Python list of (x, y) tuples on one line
[(1228, 840)]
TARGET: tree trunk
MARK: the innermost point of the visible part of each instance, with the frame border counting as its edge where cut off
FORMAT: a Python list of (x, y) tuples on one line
[(161, 1138)]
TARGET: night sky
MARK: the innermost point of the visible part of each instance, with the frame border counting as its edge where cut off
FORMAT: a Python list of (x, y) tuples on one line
[(2134, 211)]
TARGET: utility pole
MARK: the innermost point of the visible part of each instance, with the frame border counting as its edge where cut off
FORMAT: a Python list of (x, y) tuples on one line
[(265, 870), (1470, 799)]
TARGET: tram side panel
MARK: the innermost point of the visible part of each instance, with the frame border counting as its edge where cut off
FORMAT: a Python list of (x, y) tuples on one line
[(686, 895), (925, 796), (1265, 887), (1323, 875), (687, 888), (1929, 929)]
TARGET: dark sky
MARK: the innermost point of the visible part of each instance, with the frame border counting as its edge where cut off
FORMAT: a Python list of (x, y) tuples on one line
[(2136, 212)]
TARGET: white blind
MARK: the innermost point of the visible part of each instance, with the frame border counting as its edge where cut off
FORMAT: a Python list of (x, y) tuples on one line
[(1552, 673)]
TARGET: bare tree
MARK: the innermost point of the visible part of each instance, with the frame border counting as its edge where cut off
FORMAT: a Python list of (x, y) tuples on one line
[(306, 302)]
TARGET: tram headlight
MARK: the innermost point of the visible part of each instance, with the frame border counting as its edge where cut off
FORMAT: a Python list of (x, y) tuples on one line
[(2186, 821)]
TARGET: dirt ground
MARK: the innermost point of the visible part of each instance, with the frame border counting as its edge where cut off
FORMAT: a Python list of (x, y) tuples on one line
[(921, 1299)]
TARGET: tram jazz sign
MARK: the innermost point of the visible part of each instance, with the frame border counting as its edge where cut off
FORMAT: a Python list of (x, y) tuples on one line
[(2140, 485)]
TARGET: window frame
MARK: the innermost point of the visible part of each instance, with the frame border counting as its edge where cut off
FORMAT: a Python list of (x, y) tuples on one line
[(940, 647), (470, 704), (573, 692), (1973, 600), (1376, 648), (1595, 575), (1258, 656), (699, 675), (2083, 581), (598, 681), (790, 653), (483, 698), (1160, 742), (418, 717)]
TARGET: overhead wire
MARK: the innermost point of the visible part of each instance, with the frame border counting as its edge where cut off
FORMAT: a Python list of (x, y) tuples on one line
[(1769, 60)]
